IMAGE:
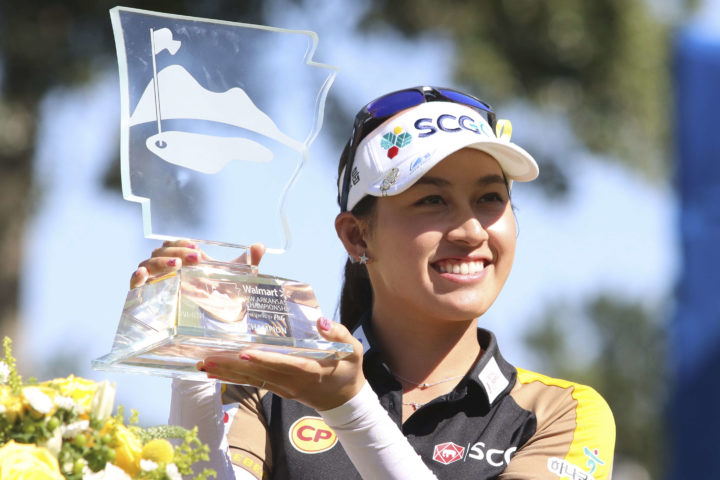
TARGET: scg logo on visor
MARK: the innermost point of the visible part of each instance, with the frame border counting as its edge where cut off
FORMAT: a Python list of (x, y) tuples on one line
[(451, 123)]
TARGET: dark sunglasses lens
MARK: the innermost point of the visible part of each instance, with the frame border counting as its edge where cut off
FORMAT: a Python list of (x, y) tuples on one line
[(395, 102), (465, 99)]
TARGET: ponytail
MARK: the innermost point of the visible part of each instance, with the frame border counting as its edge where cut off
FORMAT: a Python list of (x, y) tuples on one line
[(356, 295)]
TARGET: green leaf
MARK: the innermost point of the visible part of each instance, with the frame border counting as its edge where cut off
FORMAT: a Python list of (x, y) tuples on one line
[(388, 140), (403, 139), (161, 431)]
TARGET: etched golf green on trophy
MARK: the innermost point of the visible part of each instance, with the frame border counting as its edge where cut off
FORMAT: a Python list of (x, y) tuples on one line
[(216, 122)]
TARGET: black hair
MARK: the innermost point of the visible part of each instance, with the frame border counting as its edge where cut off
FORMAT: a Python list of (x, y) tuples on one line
[(356, 295)]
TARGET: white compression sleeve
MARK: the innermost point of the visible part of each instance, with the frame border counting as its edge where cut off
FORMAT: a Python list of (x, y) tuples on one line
[(198, 403), (242, 474), (376, 446)]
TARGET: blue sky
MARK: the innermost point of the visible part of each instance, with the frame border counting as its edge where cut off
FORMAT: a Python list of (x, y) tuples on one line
[(615, 232)]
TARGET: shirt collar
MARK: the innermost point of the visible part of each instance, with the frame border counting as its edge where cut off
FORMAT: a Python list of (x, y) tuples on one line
[(492, 373)]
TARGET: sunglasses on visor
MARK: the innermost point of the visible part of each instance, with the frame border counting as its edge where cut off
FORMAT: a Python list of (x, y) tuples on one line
[(376, 112)]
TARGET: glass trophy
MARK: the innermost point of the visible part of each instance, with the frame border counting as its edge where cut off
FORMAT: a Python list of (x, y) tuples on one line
[(216, 122)]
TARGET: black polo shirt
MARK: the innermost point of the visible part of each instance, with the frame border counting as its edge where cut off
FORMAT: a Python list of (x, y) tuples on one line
[(498, 422)]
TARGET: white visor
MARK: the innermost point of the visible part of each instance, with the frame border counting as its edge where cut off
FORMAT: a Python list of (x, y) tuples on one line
[(405, 147)]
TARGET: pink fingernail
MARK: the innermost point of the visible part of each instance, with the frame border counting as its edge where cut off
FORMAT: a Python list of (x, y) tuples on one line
[(192, 257), (325, 324), (172, 262), (192, 245), (245, 356), (210, 365)]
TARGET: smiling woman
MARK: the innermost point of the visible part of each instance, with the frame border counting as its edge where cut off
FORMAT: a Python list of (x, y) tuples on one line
[(443, 248), (426, 219)]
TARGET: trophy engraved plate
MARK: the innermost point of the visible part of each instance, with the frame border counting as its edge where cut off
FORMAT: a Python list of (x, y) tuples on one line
[(216, 122)]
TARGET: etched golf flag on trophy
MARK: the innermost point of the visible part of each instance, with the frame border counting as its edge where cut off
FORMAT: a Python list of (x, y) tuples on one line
[(216, 123)]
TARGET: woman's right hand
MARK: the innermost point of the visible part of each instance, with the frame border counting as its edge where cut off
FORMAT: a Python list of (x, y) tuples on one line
[(173, 254), (322, 384)]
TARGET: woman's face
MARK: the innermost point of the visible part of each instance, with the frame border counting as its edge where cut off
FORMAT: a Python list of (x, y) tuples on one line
[(444, 247)]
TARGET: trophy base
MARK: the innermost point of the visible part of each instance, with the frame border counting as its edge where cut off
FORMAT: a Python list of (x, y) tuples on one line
[(177, 355), (173, 322)]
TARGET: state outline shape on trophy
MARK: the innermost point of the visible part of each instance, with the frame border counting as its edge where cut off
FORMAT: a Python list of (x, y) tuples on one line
[(174, 94)]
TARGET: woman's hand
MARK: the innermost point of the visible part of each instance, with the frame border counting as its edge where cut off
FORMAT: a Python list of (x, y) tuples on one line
[(174, 254), (319, 384)]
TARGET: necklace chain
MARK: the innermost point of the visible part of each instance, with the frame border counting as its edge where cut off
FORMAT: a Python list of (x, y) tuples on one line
[(424, 385), (414, 405), (421, 385)]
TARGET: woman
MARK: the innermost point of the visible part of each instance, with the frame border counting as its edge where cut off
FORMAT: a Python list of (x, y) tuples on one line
[(424, 190)]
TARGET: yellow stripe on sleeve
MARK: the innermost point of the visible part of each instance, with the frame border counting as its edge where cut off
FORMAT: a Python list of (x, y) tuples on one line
[(593, 440)]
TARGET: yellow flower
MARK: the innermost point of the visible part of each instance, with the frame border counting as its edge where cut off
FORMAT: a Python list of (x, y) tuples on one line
[(20, 461), (158, 450), (79, 389), (11, 406), (128, 450)]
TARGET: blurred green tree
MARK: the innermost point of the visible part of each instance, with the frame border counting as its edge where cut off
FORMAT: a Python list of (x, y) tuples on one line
[(603, 64)]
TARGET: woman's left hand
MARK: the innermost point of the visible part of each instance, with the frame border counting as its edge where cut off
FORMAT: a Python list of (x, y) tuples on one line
[(319, 384)]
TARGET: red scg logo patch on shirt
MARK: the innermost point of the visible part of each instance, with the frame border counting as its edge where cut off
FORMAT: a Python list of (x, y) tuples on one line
[(448, 452)]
